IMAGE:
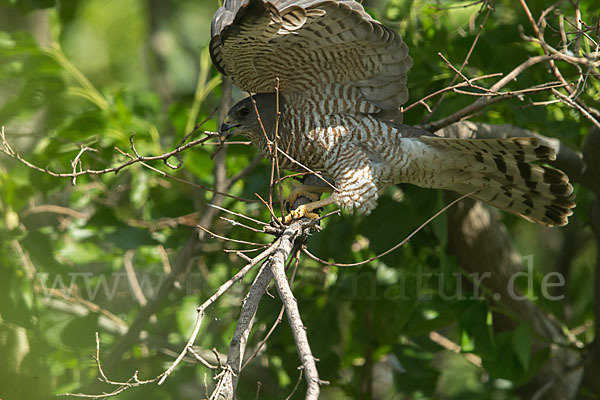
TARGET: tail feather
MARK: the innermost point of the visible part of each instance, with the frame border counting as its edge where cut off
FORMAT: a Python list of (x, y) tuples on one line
[(503, 172)]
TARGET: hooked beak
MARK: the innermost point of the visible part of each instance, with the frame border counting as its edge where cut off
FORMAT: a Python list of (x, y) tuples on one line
[(227, 127)]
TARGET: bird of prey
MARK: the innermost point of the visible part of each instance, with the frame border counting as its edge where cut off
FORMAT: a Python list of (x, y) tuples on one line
[(327, 83)]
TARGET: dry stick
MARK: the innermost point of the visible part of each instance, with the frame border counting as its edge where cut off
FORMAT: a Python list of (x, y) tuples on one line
[(121, 386), (565, 57), (270, 209), (276, 155), (297, 174), (237, 347), (201, 359), (447, 89), (487, 92), (272, 154), (278, 320), (291, 306), (279, 186), (241, 255), (542, 42), (260, 344), (458, 72), (388, 251), (133, 281), (229, 378), (222, 289), (164, 258), (8, 150), (450, 345), (538, 88), (258, 385), (77, 161), (552, 64), (229, 143), (485, 101), (517, 71), (236, 223), (459, 6), (271, 178), (233, 179), (296, 385), (51, 208), (563, 34), (465, 62), (577, 62), (316, 173), (206, 188), (579, 31), (237, 214), (214, 235), (567, 100), (239, 252)]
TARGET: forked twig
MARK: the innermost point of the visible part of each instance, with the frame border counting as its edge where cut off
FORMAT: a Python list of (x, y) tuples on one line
[(201, 310)]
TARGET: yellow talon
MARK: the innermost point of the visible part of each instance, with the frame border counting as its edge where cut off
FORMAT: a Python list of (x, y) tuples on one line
[(305, 210), (299, 212)]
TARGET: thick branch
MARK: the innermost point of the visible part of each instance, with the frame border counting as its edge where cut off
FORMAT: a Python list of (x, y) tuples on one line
[(237, 346), (277, 261)]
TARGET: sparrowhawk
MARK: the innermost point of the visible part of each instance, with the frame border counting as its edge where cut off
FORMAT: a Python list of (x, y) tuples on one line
[(328, 81)]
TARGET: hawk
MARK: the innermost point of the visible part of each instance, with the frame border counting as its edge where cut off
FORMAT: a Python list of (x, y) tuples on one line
[(328, 81)]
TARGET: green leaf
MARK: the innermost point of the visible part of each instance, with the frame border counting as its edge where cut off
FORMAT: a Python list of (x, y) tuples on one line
[(521, 340)]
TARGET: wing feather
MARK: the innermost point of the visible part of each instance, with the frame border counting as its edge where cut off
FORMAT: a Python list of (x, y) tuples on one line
[(308, 44)]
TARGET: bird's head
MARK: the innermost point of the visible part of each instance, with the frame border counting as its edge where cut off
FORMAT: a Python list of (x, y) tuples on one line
[(244, 119)]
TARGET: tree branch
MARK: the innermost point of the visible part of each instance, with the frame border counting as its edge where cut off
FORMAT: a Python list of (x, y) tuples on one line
[(237, 346), (277, 261)]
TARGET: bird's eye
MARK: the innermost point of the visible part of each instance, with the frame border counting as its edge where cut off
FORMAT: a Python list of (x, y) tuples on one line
[(244, 112)]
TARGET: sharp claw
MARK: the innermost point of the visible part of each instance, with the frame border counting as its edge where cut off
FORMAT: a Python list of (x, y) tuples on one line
[(299, 212)]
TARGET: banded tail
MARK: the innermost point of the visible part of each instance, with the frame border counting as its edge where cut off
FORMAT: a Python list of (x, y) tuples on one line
[(503, 171)]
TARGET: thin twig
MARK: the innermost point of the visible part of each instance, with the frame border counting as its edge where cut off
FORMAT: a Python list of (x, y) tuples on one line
[(214, 235), (402, 243), (222, 289), (237, 214), (236, 223), (465, 61)]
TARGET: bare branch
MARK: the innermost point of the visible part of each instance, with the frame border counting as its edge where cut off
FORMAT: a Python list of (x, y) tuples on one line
[(201, 310), (291, 306), (120, 386), (467, 57), (214, 235), (237, 346)]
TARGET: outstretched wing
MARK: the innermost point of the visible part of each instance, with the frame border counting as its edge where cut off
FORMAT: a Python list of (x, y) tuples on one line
[(309, 44)]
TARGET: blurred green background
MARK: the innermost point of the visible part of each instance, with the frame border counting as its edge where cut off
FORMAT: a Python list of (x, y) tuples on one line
[(92, 72)]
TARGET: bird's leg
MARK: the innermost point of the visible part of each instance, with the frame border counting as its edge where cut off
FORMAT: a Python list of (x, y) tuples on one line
[(305, 210), (311, 192)]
